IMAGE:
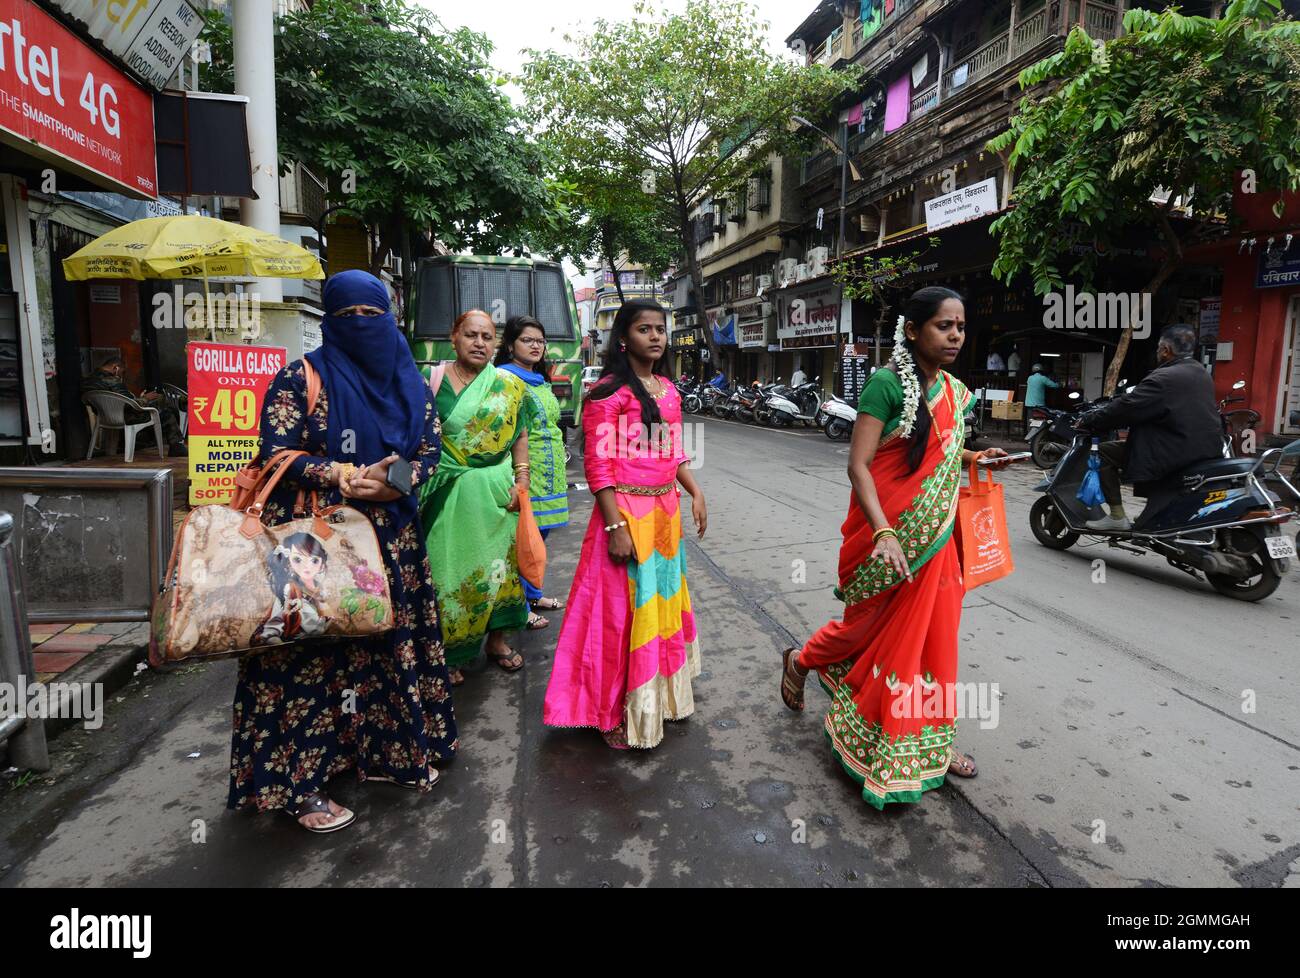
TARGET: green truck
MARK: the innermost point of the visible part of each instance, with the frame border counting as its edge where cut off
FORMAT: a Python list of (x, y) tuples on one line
[(448, 285)]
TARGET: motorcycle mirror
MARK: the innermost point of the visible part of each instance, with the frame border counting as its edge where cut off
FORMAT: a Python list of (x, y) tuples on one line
[(1238, 385)]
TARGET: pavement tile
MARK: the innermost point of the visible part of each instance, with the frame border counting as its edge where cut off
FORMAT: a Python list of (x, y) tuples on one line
[(80, 627), (56, 662), (45, 628), (74, 643)]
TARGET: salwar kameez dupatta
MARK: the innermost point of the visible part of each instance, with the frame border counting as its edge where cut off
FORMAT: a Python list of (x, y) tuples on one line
[(628, 649), (470, 534), (897, 644)]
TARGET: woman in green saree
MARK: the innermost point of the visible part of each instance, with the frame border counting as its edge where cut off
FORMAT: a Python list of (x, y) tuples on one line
[(470, 506)]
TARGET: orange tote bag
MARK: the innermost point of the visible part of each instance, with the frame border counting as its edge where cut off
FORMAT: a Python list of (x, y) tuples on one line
[(982, 539), (529, 545)]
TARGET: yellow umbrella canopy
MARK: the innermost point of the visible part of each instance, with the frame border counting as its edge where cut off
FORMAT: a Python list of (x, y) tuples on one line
[(189, 246)]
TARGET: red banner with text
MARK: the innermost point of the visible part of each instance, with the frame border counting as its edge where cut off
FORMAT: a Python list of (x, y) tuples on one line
[(226, 384), (56, 92)]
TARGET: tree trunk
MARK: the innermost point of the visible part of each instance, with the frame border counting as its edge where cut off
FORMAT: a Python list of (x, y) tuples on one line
[(1162, 276), (693, 269), (608, 253), (1172, 260)]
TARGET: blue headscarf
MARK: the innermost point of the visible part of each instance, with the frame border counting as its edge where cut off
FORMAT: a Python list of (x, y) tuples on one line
[(375, 390), (530, 377)]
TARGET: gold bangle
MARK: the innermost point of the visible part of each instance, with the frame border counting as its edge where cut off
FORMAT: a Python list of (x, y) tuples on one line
[(884, 531)]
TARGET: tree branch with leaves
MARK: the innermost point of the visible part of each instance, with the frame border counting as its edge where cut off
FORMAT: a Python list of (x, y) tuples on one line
[(1178, 107)]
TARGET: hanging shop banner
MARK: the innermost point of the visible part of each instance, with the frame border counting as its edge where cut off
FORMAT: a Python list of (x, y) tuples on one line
[(1278, 268), (961, 205), (58, 98), (754, 334), (150, 36), (226, 384), (810, 318)]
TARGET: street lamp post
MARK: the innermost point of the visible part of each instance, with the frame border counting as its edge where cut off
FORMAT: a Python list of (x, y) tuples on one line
[(841, 148)]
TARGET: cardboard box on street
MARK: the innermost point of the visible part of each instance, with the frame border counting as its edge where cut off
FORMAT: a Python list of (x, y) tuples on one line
[(1009, 410)]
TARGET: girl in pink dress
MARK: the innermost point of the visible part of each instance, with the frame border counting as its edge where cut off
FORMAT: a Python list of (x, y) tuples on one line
[(627, 651)]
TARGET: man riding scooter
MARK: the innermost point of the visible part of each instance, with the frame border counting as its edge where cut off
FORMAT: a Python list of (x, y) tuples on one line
[(1173, 422)]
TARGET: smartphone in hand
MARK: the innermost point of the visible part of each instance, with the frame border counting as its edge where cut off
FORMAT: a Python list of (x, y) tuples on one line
[(399, 476)]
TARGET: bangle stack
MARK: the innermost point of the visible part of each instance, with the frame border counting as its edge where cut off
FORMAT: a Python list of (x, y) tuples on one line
[(884, 531), (611, 529)]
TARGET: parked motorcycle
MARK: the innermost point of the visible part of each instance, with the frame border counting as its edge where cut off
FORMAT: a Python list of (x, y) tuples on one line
[(973, 433), (690, 393), (840, 417), (808, 399), (1051, 430), (1214, 518), (781, 407), (710, 396)]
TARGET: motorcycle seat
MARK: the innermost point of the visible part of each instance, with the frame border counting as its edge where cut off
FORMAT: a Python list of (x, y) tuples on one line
[(1217, 468)]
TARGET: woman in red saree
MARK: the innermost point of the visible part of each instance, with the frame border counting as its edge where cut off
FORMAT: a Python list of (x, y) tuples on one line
[(899, 575)]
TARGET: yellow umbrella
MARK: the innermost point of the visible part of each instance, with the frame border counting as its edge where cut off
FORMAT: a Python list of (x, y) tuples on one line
[(189, 246)]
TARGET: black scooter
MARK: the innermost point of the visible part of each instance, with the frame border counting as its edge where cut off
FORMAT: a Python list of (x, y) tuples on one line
[(1214, 518)]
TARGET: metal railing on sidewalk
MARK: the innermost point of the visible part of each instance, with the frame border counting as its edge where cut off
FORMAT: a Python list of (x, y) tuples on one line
[(26, 737)]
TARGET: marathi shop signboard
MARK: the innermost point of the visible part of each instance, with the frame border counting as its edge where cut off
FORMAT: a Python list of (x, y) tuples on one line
[(226, 386), (1278, 268), (810, 319), (60, 98), (961, 205), (150, 36)]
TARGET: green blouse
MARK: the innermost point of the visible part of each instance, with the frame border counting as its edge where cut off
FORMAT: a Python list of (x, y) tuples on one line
[(882, 398)]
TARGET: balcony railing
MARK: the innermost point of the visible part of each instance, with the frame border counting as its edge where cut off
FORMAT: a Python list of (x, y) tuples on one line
[(814, 166), (862, 140), (1032, 30), (924, 100), (1101, 22)]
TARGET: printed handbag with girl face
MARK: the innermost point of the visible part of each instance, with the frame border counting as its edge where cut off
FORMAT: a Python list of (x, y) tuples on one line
[(235, 585)]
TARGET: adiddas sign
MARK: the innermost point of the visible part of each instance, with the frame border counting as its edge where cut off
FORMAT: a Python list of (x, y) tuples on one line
[(59, 97), (150, 36)]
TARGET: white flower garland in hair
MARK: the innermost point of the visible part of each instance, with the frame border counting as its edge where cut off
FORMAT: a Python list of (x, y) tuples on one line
[(906, 369)]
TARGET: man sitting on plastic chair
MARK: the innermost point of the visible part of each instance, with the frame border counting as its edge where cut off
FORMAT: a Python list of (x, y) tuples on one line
[(109, 377)]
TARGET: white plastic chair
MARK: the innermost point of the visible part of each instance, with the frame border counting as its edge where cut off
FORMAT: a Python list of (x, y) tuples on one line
[(181, 397), (108, 411)]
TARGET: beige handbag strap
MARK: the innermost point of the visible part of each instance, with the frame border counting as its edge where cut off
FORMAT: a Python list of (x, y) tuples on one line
[(435, 377)]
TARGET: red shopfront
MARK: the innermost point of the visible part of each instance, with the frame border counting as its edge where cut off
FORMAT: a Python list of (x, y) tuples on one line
[(69, 120), (1259, 325)]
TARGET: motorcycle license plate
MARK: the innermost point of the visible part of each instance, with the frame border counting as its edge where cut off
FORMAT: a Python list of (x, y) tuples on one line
[(1281, 546), (1035, 424)]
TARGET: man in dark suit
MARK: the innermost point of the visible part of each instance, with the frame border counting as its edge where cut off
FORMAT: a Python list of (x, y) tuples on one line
[(1173, 422)]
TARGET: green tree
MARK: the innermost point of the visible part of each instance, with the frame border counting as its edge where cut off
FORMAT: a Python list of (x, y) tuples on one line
[(1177, 107), (412, 111), (690, 102), (882, 280)]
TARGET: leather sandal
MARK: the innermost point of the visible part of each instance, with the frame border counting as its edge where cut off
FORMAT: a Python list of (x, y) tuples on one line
[(961, 765), (792, 681)]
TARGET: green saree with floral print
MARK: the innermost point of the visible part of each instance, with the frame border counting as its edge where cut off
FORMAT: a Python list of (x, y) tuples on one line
[(469, 533)]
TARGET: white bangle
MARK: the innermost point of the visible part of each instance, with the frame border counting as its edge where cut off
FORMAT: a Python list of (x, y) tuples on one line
[(611, 529)]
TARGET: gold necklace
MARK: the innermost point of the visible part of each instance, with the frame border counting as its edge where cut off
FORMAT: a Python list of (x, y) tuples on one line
[(661, 386), (455, 367)]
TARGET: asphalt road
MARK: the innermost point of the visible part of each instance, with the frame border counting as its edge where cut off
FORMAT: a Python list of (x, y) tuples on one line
[(1122, 755)]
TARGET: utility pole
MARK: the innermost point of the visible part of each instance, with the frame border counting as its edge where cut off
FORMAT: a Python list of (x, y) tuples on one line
[(254, 50)]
